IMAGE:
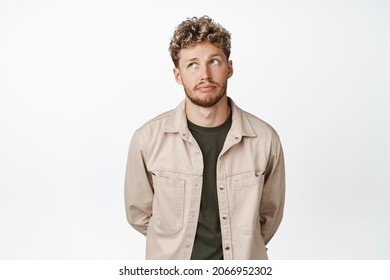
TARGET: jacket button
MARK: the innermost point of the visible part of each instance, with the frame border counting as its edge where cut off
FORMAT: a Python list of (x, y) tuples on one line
[(227, 247), (224, 217), (221, 188)]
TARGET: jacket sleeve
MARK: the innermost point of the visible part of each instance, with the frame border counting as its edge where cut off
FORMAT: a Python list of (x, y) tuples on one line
[(272, 200), (138, 186)]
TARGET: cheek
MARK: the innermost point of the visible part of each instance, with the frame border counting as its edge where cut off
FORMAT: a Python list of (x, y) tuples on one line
[(188, 79), (221, 75)]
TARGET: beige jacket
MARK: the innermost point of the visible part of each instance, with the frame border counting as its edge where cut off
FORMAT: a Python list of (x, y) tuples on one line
[(163, 186)]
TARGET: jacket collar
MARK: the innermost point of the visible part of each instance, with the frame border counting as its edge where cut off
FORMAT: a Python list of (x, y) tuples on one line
[(177, 122)]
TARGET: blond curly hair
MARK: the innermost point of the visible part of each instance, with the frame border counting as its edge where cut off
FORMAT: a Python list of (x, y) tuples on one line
[(197, 30)]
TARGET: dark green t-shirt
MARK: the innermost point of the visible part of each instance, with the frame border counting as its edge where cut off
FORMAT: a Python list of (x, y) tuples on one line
[(208, 241)]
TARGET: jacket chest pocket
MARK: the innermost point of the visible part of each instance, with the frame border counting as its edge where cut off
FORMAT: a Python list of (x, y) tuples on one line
[(168, 203)]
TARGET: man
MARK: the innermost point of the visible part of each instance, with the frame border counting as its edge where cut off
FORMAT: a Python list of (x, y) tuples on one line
[(205, 180)]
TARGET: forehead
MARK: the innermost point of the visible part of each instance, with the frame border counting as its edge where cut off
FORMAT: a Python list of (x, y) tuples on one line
[(199, 51)]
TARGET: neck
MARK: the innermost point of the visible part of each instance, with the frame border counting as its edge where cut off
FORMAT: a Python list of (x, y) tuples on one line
[(208, 116)]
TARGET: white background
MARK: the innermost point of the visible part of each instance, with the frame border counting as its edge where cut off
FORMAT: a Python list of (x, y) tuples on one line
[(78, 77)]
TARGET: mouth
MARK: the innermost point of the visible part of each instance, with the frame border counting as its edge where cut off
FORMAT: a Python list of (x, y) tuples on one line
[(206, 87)]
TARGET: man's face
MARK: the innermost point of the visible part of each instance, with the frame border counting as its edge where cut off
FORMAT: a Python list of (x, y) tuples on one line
[(203, 71)]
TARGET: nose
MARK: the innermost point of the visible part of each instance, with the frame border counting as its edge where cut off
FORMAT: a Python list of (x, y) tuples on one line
[(205, 73)]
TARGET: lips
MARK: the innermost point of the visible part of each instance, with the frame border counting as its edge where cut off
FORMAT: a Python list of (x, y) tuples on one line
[(206, 87)]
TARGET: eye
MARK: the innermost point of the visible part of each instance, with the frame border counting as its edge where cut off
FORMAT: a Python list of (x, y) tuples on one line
[(192, 65), (214, 61)]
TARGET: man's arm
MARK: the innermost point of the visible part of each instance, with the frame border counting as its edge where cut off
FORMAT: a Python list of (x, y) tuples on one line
[(138, 187), (272, 200)]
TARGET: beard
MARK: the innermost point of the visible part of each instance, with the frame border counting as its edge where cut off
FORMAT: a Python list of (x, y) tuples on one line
[(206, 101)]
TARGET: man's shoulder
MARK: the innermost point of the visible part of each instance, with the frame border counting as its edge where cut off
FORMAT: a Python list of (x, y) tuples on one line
[(262, 130), (258, 124), (161, 118), (157, 121)]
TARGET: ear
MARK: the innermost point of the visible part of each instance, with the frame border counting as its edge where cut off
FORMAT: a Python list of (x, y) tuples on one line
[(230, 68), (176, 73)]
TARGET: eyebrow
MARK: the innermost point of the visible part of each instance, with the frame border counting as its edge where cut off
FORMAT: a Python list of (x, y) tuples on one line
[(196, 58)]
